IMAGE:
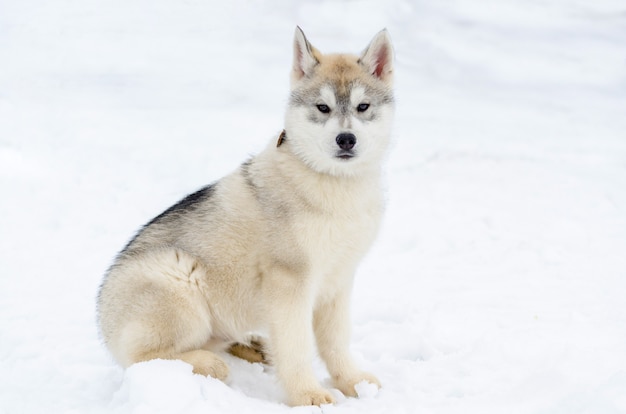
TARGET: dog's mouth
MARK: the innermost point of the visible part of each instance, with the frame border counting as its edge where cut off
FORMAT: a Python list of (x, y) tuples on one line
[(345, 154)]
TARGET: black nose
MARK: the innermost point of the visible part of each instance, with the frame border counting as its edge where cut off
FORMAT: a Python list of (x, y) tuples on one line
[(346, 141)]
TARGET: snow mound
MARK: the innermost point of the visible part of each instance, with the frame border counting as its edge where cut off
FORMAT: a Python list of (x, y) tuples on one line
[(366, 389)]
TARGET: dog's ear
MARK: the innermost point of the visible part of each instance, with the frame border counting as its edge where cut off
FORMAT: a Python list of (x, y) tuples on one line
[(305, 56), (377, 58)]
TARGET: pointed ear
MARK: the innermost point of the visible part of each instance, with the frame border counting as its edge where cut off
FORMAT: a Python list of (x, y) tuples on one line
[(304, 56), (377, 58)]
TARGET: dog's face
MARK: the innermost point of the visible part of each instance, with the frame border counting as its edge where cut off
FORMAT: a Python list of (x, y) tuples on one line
[(341, 106)]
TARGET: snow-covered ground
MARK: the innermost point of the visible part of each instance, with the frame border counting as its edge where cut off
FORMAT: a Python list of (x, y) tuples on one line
[(498, 284)]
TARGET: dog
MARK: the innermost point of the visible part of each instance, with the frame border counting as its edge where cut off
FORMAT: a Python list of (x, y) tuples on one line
[(262, 261)]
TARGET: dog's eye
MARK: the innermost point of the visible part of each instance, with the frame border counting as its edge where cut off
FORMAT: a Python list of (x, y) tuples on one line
[(323, 108), (362, 107)]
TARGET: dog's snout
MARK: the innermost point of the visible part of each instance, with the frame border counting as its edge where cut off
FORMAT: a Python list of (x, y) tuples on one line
[(346, 141)]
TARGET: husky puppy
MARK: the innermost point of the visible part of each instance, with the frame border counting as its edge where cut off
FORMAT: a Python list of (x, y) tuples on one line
[(271, 248)]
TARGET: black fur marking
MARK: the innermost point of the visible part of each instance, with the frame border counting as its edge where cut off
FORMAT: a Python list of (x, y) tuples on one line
[(189, 203), (376, 93), (343, 103), (245, 172), (298, 98)]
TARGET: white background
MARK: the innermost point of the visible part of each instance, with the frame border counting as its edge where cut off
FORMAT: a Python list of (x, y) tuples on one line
[(498, 283)]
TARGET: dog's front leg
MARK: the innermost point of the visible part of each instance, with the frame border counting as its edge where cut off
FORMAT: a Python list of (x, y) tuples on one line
[(290, 309), (332, 331)]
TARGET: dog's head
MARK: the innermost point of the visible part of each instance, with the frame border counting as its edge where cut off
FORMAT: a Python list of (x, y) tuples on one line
[(340, 110)]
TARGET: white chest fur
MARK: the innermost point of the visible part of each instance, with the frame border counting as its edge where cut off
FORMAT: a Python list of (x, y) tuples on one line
[(335, 237)]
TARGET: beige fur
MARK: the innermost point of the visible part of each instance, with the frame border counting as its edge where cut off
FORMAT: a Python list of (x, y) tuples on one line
[(270, 249)]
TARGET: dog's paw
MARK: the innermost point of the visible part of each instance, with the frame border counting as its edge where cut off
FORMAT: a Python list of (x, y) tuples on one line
[(253, 352), (216, 369), (312, 397), (347, 384), (206, 363)]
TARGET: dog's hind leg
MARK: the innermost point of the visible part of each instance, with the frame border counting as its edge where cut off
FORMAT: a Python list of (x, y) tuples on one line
[(159, 312)]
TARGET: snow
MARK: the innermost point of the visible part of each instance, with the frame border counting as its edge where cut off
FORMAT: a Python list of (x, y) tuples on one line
[(498, 281)]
